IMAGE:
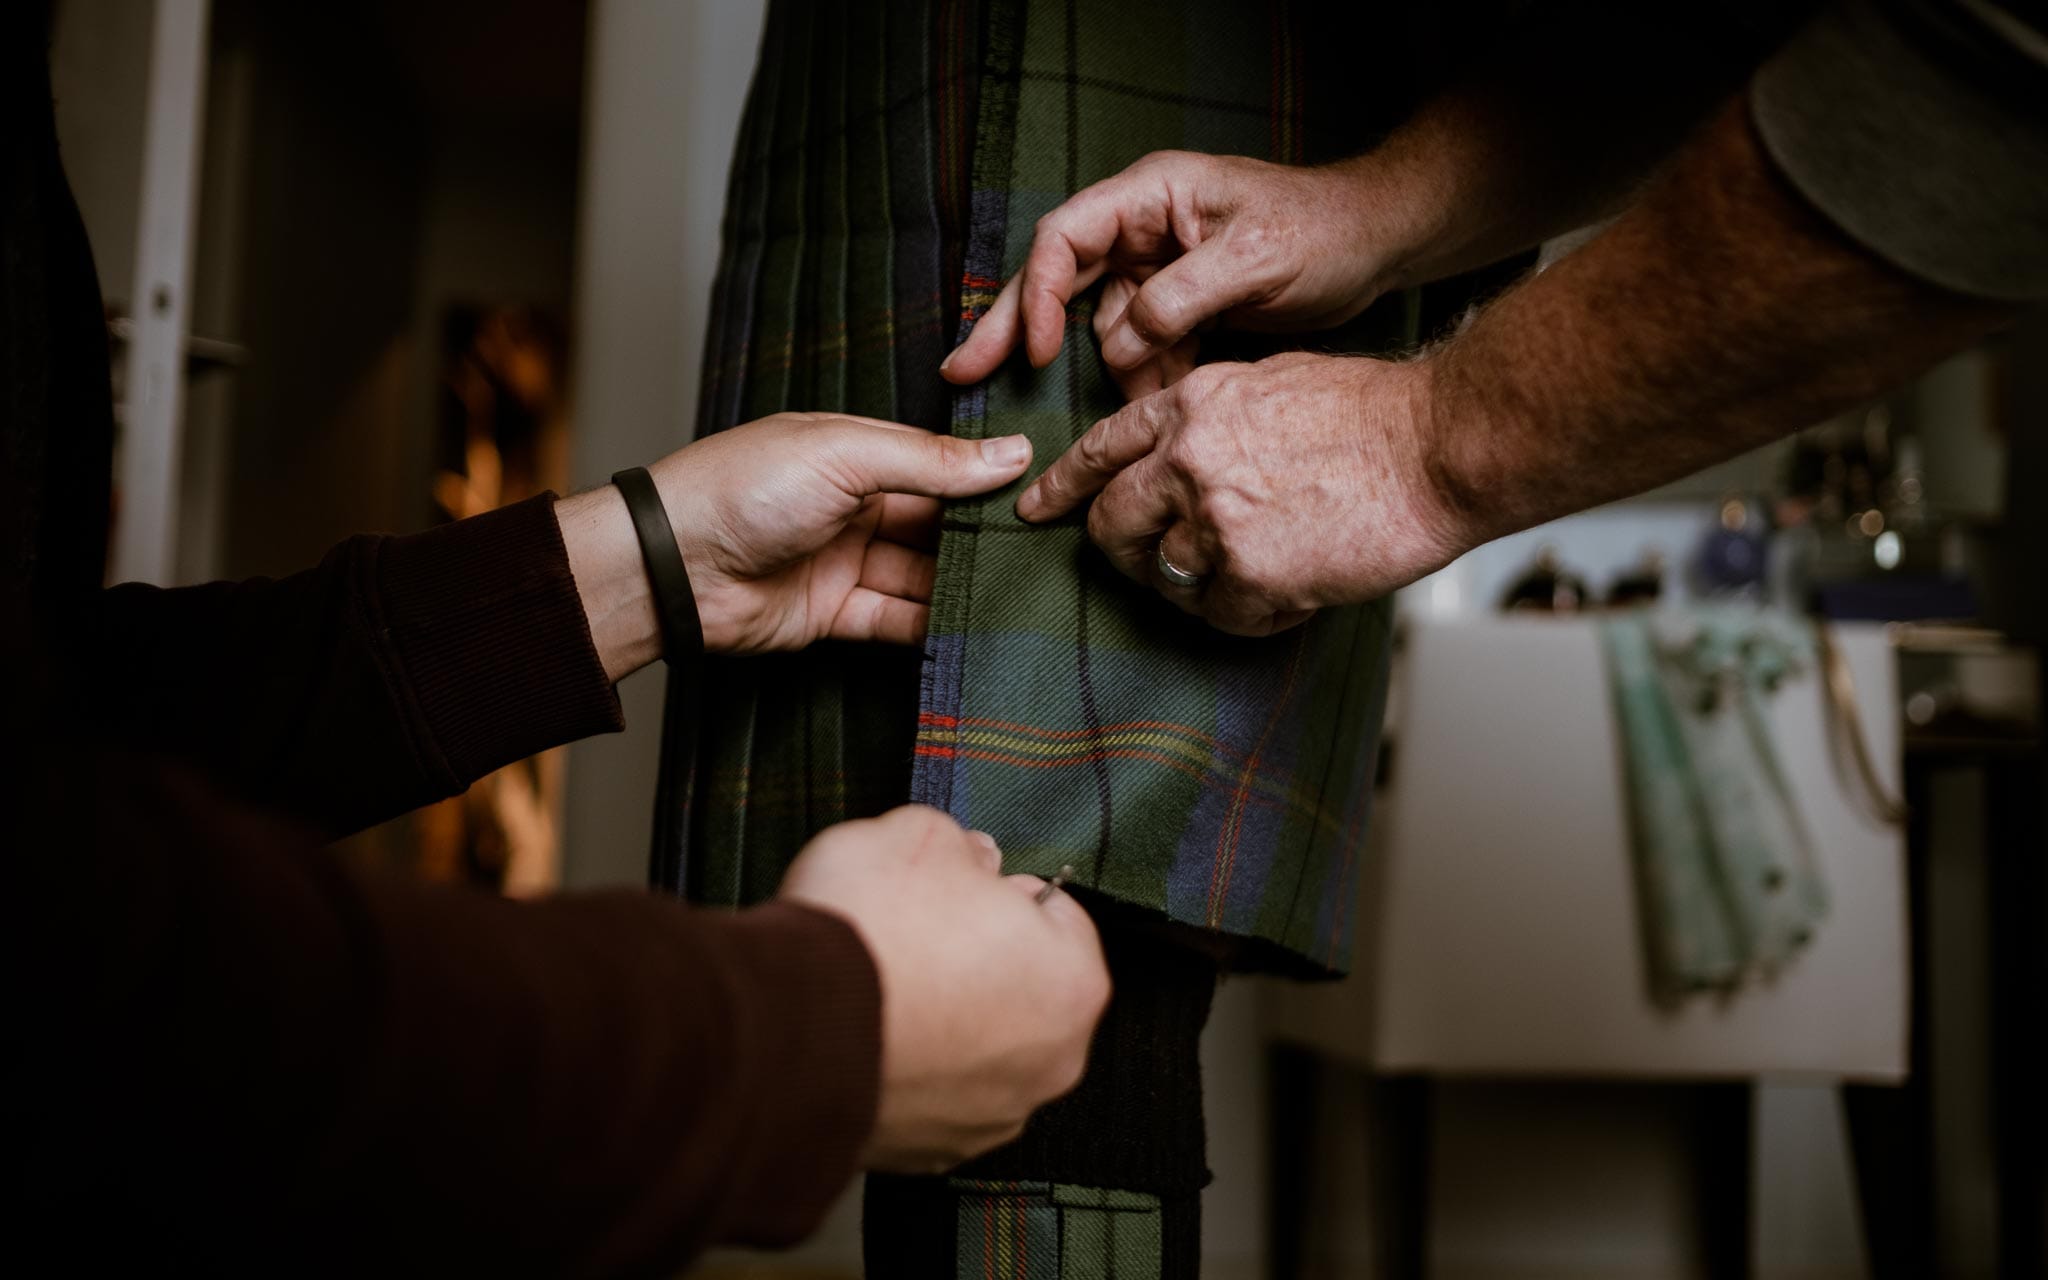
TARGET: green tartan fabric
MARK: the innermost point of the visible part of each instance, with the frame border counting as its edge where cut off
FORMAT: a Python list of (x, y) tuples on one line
[(1220, 782), (1107, 1235), (1071, 713)]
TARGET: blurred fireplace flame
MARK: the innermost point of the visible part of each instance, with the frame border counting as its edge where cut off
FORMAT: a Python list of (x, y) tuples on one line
[(504, 388)]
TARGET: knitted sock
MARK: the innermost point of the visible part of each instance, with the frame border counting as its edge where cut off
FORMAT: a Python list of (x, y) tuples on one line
[(1096, 1177)]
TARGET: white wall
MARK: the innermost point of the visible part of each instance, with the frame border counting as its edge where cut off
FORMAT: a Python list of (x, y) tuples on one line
[(664, 86)]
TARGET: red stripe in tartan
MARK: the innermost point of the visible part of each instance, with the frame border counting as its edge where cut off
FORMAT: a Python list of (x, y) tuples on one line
[(1233, 823), (988, 1240)]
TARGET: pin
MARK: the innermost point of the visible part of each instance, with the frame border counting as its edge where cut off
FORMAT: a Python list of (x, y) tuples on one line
[(1058, 878)]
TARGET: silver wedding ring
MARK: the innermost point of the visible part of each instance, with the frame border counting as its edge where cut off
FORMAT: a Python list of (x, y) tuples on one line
[(1175, 575)]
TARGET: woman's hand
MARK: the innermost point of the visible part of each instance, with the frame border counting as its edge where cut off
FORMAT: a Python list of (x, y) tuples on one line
[(989, 996), (795, 528)]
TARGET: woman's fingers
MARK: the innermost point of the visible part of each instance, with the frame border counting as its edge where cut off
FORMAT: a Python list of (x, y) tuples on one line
[(868, 460), (872, 616), (911, 519), (896, 570)]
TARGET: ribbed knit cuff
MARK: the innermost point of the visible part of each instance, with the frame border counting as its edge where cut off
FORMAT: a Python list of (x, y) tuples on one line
[(1135, 1121), (809, 1009), (483, 618)]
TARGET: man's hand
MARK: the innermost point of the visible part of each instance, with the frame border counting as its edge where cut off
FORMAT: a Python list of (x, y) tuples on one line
[(1186, 239), (988, 997), (1287, 485), (795, 528)]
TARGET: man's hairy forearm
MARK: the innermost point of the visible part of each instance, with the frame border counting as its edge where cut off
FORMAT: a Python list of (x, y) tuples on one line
[(1553, 129), (1718, 313)]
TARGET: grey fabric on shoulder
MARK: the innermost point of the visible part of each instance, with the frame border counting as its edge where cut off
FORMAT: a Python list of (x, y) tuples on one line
[(1920, 127)]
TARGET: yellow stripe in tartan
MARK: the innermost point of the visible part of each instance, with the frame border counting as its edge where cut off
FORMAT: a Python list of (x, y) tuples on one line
[(1082, 746)]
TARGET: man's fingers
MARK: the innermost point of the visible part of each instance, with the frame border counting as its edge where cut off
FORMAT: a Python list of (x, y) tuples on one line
[(1183, 547), (1205, 282), (1240, 612), (870, 460), (896, 570), (1034, 311), (1051, 278), (1070, 248), (1092, 461), (1132, 512), (1110, 303), (991, 339), (1231, 610), (1069, 251), (1116, 293), (871, 616)]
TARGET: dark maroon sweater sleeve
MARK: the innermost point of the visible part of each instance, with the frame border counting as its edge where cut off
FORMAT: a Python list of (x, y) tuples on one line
[(397, 672), (239, 1050)]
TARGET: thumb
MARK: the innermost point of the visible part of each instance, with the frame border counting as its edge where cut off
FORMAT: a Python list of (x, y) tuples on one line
[(876, 459)]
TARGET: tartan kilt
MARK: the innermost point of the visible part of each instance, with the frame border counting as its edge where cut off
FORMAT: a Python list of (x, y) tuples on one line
[(892, 161)]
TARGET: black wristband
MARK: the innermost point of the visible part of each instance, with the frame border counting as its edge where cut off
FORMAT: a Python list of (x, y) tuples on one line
[(675, 605)]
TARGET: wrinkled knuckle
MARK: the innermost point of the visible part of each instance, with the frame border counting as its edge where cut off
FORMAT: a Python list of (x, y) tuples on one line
[(1202, 382), (1167, 306), (1222, 512), (1092, 450), (1185, 450), (1053, 486), (1142, 314), (1250, 239)]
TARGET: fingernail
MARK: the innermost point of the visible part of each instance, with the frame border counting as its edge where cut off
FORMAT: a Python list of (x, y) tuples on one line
[(985, 840), (947, 364), (1006, 451), (1027, 505), (1122, 348)]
